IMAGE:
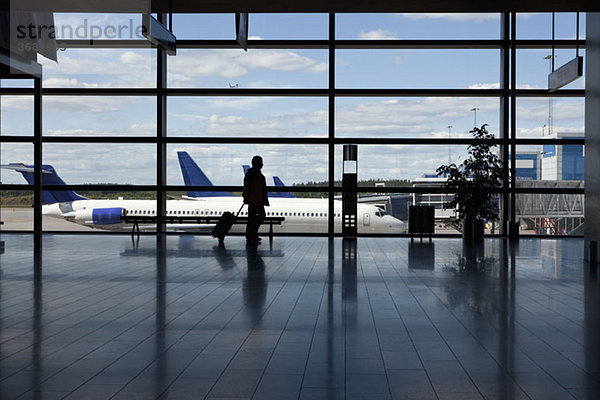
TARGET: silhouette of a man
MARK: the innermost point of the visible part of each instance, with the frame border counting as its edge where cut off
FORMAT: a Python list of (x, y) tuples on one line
[(255, 195)]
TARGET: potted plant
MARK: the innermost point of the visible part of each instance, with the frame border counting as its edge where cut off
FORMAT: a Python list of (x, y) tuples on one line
[(473, 182)]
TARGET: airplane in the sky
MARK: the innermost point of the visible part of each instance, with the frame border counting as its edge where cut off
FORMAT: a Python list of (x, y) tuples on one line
[(301, 215)]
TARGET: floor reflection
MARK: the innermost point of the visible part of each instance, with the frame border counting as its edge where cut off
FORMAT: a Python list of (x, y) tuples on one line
[(421, 255), (255, 284), (193, 247), (308, 317)]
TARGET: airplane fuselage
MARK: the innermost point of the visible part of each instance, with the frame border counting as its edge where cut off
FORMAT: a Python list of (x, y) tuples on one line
[(301, 215)]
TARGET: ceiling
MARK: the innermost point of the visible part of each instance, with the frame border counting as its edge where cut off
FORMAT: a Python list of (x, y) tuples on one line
[(265, 6)]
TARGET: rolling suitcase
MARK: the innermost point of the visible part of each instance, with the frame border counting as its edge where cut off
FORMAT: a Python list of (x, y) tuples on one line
[(225, 223)]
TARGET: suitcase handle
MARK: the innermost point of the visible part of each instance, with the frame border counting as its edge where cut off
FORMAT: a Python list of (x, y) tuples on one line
[(240, 210)]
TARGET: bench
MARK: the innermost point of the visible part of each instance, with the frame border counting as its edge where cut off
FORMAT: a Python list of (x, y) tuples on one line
[(136, 220)]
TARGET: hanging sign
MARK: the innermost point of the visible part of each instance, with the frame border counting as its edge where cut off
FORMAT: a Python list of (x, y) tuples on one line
[(241, 29), (566, 74), (158, 34)]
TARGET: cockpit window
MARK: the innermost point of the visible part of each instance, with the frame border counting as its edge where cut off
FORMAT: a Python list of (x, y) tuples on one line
[(380, 213)]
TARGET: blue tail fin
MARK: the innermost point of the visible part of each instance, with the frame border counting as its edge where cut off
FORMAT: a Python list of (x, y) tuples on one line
[(245, 168), (193, 176), (278, 182), (49, 177)]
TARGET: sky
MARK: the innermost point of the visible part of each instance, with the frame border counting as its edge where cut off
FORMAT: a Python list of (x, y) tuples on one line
[(375, 117)]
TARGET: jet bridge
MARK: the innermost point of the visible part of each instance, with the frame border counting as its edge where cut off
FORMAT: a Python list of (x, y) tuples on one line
[(551, 213)]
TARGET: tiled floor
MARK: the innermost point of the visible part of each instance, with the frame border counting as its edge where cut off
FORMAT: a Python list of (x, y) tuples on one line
[(303, 319)]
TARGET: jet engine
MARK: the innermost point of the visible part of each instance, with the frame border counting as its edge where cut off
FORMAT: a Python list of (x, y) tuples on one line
[(100, 216)]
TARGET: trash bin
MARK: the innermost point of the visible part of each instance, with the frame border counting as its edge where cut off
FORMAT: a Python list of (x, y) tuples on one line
[(421, 220)]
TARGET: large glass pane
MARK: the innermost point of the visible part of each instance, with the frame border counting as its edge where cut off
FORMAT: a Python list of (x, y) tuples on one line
[(400, 165), (533, 67), (104, 212), (222, 164), (475, 69), (426, 117), (418, 26), (99, 26), (551, 166), (18, 153), (99, 116), (550, 117), (112, 163), (551, 214), (247, 116), (20, 83), (98, 67), (16, 115), (16, 210), (539, 26), (204, 26), (255, 68), (288, 26)]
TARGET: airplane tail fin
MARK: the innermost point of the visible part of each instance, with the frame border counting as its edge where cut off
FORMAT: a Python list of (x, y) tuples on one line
[(49, 177), (278, 182), (193, 176), (245, 168)]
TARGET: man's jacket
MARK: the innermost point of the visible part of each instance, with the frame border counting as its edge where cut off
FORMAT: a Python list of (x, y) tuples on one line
[(255, 188)]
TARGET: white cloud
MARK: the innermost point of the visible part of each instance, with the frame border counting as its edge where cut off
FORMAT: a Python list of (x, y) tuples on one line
[(98, 104), (131, 58), (377, 34), (485, 86), (410, 117), (242, 103), (17, 103), (279, 60), (61, 82), (235, 63), (145, 129), (191, 64)]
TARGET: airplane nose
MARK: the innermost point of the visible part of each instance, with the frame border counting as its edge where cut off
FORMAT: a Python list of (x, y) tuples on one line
[(396, 225)]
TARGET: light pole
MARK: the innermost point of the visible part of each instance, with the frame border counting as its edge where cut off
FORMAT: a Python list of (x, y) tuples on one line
[(449, 146), (550, 58), (474, 109)]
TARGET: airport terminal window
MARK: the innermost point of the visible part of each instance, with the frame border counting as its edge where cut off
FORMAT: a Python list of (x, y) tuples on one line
[(417, 26), (247, 116), (393, 102), (16, 115), (539, 25), (285, 26), (204, 26), (402, 165), (256, 68), (414, 117), (548, 117), (99, 116), (112, 163), (295, 164), (534, 65), (101, 68), (424, 69)]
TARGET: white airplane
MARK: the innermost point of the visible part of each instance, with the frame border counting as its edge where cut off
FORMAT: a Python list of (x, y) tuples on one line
[(301, 215)]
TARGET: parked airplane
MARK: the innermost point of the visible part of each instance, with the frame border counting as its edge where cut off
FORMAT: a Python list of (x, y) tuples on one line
[(301, 215), (307, 214)]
